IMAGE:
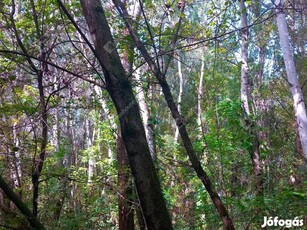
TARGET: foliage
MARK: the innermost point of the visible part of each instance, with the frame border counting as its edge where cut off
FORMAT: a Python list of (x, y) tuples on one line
[(79, 184)]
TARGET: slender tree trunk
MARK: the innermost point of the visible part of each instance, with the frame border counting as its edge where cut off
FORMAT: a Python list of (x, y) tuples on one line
[(120, 90), (179, 94), (89, 138), (246, 97), (259, 108), (145, 115), (298, 99), (71, 156), (244, 55), (200, 98), (39, 165), (63, 181), (43, 112), (16, 161), (37, 162), (202, 175)]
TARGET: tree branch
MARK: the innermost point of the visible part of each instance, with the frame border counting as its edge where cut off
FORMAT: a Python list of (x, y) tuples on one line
[(20, 205), (54, 65)]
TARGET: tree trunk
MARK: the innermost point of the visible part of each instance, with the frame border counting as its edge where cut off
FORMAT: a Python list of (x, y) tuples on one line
[(298, 99), (39, 71), (70, 158), (89, 138), (120, 90), (63, 181), (38, 166), (202, 175), (125, 208), (260, 108), (244, 56), (16, 163), (200, 98), (246, 97), (179, 94), (145, 115), (125, 185)]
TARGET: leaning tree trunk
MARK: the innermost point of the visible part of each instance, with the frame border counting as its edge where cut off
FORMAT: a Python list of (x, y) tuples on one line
[(298, 99), (145, 112), (34, 222), (126, 195), (196, 164), (132, 130), (38, 162)]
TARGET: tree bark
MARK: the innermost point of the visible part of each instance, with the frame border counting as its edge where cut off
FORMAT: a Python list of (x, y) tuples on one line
[(125, 208), (298, 99), (120, 90)]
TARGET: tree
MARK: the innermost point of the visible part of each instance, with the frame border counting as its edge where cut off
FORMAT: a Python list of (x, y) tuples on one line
[(34, 222), (86, 180), (245, 86), (296, 91), (196, 164), (246, 92), (119, 88)]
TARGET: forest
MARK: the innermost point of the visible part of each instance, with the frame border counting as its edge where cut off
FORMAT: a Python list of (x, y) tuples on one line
[(153, 115)]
